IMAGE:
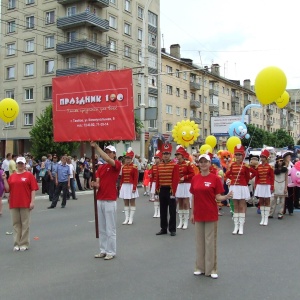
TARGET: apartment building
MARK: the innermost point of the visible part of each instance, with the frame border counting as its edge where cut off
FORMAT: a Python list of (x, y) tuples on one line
[(42, 39)]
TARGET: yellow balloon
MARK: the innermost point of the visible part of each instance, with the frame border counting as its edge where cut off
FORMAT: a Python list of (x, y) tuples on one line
[(211, 141), (283, 100), (9, 109), (204, 149), (232, 142), (270, 83)]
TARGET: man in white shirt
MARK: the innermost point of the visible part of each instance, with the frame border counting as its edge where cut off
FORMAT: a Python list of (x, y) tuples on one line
[(5, 164), (72, 178)]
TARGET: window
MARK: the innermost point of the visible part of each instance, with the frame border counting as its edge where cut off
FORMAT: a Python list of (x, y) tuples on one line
[(140, 12), (49, 66), (127, 5), (11, 27), (112, 1), (152, 81), (29, 2), (184, 75), (185, 94), (10, 124), (10, 94), (112, 22), (205, 100), (169, 127), (127, 28), (112, 45), (48, 92), (94, 63), (184, 112), (228, 107), (200, 99), (30, 22), (50, 17), (177, 111), (169, 89), (49, 42), (28, 119), (29, 69), (139, 56), (71, 36), (11, 49), (29, 46), (94, 37), (205, 116), (152, 39), (28, 94), (11, 4), (193, 96), (153, 123), (169, 70), (112, 67), (71, 62), (192, 78), (168, 109), (10, 72), (71, 11), (140, 34), (152, 62), (177, 92), (127, 51), (152, 101), (152, 19), (177, 74), (223, 105)]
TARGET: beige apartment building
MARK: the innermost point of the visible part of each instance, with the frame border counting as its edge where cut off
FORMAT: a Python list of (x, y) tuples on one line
[(42, 39)]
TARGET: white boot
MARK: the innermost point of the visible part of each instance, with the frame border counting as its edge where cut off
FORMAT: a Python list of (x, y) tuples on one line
[(267, 213), (155, 209), (180, 214), (132, 211), (126, 211), (186, 214), (158, 210), (236, 223), (262, 212), (241, 222)]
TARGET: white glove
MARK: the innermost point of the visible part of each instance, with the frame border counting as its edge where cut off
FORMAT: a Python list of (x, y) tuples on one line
[(228, 181), (172, 197)]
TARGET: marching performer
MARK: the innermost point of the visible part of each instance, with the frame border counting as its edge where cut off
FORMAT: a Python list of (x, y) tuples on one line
[(186, 173), (128, 191), (264, 182)]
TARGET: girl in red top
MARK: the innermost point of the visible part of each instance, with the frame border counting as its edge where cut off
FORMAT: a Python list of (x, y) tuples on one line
[(153, 176), (264, 182), (128, 191), (206, 188), (186, 173), (239, 176)]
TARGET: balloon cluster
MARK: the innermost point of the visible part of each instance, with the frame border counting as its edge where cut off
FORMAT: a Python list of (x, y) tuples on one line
[(185, 133), (9, 109), (210, 143), (270, 85)]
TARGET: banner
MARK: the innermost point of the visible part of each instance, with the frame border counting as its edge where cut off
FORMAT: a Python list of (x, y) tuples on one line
[(93, 107)]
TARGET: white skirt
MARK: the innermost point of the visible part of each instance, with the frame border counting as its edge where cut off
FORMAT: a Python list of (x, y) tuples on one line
[(240, 192), (183, 190), (126, 191), (153, 186), (263, 191)]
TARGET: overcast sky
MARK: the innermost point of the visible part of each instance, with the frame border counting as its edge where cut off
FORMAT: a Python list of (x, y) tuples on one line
[(243, 37)]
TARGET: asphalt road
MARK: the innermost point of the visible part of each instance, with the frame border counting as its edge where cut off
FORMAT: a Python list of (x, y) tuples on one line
[(60, 264)]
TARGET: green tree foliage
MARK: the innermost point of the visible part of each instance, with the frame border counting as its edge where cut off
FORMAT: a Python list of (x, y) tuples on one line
[(41, 137), (259, 137)]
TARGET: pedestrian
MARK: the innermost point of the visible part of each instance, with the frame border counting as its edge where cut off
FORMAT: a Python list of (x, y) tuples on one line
[(1, 190), (166, 186), (146, 181), (22, 186), (106, 180), (77, 173), (72, 179), (12, 166), (62, 183), (128, 191), (206, 189), (292, 190), (186, 173), (264, 182), (5, 164), (52, 176), (43, 176)]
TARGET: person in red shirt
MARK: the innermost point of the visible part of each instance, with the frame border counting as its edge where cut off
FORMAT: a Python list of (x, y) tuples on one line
[(206, 188), (239, 176), (22, 186), (264, 182), (128, 191), (186, 173), (106, 179)]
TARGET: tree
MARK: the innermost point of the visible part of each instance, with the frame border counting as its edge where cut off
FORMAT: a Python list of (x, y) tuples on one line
[(41, 137)]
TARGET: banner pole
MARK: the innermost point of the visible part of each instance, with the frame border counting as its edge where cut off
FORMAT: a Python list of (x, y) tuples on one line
[(95, 194)]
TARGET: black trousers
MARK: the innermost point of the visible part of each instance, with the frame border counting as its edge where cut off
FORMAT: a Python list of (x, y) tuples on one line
[(165, 203), (51, 189), (289, 200), (78, 182), (62, 186)]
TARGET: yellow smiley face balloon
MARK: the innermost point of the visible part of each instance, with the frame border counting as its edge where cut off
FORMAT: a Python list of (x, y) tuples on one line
[(9, 109), (185, 133)]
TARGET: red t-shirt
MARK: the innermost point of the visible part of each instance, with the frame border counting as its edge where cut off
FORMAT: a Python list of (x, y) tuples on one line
[(205, 189), (21, 186), (108, 176)]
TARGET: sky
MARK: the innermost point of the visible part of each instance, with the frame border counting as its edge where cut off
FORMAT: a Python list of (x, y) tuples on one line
[(243, 37)]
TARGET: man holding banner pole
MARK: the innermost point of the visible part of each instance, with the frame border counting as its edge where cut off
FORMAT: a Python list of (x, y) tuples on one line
[(106, 178)]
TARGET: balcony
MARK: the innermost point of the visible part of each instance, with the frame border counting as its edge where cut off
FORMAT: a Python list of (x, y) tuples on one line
[(213, 92), (235, 99), (269, 123), (270, 111), (283, 125), (290, 107), (82, 46), (194, 104), (290, 128), (99, 3), (196, 120), (194, 86), (152, 91), (83, 19), (291, 117), (74, 71), (213, 108)]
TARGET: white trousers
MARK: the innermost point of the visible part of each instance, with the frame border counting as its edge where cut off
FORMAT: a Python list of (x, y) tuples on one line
[(107, 226)]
